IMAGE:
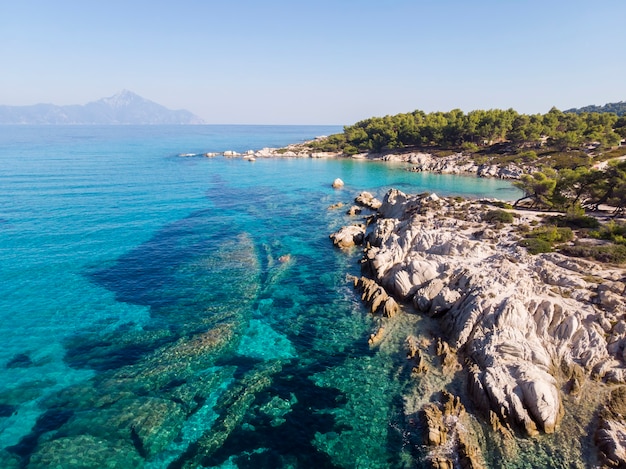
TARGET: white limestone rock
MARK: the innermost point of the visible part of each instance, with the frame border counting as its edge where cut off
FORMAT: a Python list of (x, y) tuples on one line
[(517, 317), (338, 183), (367, 200), (348, 236)]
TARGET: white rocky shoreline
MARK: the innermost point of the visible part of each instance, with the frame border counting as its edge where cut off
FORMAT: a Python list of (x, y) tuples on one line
[(532, 334), (456, 163)]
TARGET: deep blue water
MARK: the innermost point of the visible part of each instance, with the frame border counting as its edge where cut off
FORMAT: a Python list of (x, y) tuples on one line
[(161, 311)]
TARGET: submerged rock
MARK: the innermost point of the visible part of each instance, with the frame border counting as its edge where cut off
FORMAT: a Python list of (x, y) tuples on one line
[(85, 452), (149, 423), (20, 360)]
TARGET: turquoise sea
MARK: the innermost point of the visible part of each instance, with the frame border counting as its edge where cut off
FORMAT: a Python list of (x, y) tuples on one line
[(164, 311)]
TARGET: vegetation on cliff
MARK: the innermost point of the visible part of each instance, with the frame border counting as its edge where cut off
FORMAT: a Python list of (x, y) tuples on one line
[(480, 130), (575, 189), (565, 153), (615, 108)]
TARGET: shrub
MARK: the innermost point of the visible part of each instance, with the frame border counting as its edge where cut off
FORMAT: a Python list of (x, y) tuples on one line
[(552, 234), (612, 253), (567, 159), (469, 146), (528, 156), (542, 239), (575, 221), (612, 231), (498, 216), (499, 203), (536, 245), (479, 160), (350, 150)]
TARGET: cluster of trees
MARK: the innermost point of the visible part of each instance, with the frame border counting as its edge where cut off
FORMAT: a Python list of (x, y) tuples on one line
[(615, 108), (571, 190), (475, 129)]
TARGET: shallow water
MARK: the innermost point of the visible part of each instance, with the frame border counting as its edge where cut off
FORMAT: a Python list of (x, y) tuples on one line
[(165, 311)]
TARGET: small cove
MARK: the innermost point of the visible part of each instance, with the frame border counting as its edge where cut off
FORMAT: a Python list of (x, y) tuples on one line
[(147, 302)]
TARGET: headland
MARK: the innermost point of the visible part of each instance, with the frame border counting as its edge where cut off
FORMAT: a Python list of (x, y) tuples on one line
[(523, 344)]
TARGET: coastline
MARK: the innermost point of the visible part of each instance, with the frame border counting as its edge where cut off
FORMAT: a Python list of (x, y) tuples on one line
[(537, 342), (457, 163)]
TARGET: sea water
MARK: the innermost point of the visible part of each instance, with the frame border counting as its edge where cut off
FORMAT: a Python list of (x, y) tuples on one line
[(167, 311)]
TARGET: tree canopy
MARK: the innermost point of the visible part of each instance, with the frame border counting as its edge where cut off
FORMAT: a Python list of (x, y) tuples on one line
[(615, 108), (456, 129), (571, 189)]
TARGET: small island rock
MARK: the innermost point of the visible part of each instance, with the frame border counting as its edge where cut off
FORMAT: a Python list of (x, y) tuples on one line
[(338, 183)]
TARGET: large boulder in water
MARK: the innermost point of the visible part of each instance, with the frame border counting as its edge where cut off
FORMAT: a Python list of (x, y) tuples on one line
[(367, 200), (338, 183), (349, 236)]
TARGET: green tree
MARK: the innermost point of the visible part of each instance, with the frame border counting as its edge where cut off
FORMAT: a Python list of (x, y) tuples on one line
[(611, 189), (576, 187), (539, 187)]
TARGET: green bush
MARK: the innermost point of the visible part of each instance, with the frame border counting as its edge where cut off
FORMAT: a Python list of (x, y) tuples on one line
[(497, 216), (567, 159), (611, 231), (575, 221), (499, 203), (612, 253), (350, 150), (480, 159), (543, 239), (536, 245), (552, 234), (469, 146), (528, 156)]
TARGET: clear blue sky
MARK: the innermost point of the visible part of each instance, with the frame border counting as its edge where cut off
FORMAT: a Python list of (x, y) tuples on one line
[(315, 62)]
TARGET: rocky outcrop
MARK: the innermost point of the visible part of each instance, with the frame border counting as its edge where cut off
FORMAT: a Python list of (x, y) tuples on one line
[(349, 236), (376, 297), (458, 163), (379, 303), (610, 436), (519, 320), (338, 183), (415, 356), (447, 436), (367, 200), (353, 211)]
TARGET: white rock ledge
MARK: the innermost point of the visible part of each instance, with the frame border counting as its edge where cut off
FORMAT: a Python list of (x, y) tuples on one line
[(525, 324)]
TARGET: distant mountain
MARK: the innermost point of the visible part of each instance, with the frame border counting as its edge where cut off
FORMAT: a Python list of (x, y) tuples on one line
[(125, 107), (616, 108)]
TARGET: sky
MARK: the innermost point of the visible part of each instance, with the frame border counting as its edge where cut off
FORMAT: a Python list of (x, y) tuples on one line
[(315, 62)]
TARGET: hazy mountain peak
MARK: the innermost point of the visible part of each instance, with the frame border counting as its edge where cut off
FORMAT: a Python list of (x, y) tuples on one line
[(124, 107), (123, 98)]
